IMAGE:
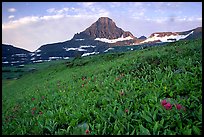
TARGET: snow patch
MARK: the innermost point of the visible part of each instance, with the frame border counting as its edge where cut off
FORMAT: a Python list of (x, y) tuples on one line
[(38, 55), (92, 53), (32, 54), (108, 49), (38, 61), (15, 61), (51, 58), (38, 50), (20, 55), (32, 59), (78, 49), (79, 39), (65, 57), (114, 40), (87, 46), (5, 62)]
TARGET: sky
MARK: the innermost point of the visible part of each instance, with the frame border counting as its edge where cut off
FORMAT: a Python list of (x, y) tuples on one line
[(29, 25)]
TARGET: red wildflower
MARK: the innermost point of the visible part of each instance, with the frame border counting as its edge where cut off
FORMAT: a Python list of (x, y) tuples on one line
[(33, 112), (126, 110), (82, 85), (168, 106), (87, 131), (163, 102), (83, 78), (178, 106), (34, 108), (117, 79), (43, 97), (33, 99), (40, 113)]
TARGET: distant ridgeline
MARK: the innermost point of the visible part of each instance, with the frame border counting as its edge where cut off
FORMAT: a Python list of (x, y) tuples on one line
[(101, 37)]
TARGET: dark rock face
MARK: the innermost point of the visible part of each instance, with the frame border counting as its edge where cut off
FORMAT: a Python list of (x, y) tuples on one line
[(197, 33), (104, 27), (13, 55), (142, 37)]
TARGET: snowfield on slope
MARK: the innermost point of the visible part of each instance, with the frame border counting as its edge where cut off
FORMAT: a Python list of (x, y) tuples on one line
[(165, 38)]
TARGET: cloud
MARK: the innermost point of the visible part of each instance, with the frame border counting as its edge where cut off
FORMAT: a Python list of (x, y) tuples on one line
[(11, 16), (12, 10), (51, 10), (33, 31), (146, 26), (87, 4), (61, 11)]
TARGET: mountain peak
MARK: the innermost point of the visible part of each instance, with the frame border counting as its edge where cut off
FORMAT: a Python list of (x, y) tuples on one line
[(104, 18), (104, 27)]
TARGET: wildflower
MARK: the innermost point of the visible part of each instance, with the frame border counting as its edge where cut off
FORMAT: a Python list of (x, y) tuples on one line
[(122, 93), (82, 85), (126, 111), (117, 79), (33, 112), (163, 102), (33, 99), (40, 113), (83, 78), (43, 97), (178, 106), (87, 131), (168, 106), (34, 108)]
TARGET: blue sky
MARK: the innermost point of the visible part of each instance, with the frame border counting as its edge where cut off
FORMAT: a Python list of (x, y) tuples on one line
[(30, 25)]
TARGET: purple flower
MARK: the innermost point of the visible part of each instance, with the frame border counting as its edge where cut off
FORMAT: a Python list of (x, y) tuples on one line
[(87, 131), (178, 106), (168, 106), (163, 102)]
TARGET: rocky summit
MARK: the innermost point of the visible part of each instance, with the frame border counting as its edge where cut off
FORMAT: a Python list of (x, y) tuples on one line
[(104, 27)]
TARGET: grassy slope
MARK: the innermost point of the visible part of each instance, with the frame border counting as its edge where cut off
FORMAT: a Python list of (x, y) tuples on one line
[(133, 81)]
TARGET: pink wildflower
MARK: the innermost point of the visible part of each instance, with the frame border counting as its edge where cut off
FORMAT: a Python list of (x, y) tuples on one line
[(168, 106), (163, 102), (87, 131), (178, 106)]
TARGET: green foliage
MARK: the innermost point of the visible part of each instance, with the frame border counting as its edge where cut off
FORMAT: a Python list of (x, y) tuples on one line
[(109, 94)]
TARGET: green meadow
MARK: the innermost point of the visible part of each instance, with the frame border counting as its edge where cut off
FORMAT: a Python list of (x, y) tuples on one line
[(110, 94)]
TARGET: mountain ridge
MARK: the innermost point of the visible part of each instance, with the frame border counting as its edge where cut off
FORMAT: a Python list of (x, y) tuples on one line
[(101, 37)]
